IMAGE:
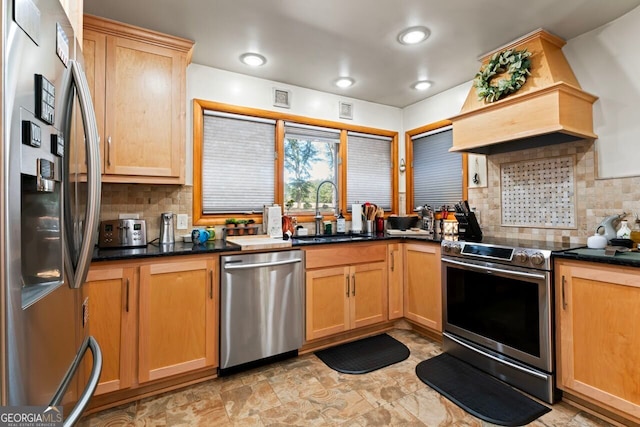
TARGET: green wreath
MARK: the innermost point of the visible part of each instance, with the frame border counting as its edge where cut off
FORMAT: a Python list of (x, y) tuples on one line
[(514, 62)]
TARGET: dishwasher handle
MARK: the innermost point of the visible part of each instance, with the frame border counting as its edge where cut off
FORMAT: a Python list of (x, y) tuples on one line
[(235, 266)]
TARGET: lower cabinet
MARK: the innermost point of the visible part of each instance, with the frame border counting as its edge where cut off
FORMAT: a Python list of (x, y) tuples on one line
[(156, 318), (598, 336), (111, 295), (178, 317), (345, 297), (396, 281), (422, 285)]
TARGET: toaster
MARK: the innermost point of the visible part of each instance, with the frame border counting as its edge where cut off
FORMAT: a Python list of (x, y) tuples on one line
[(123, 233)]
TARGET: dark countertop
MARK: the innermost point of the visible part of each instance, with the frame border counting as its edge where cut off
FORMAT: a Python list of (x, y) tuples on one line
[(180, 248), (153, 250), (630, 259)]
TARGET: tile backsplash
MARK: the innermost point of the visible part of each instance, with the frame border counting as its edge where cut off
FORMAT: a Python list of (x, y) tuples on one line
[(594, 198), (148, 201)]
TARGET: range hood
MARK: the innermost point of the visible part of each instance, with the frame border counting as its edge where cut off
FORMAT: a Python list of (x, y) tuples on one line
[(549, 108)]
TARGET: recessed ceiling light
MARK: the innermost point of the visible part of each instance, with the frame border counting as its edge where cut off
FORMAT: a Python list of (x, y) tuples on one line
[(414, 35), (253, 59), (421, 85), (344, 82)]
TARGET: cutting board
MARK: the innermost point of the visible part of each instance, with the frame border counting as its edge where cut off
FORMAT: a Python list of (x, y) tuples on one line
[(251, 243)]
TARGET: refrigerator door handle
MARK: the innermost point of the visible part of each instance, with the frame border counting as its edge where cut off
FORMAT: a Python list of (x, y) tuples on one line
[(75, 414), (93, 176)]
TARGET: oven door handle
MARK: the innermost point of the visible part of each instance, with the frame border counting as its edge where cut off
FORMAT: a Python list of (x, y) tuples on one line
[(496, 270), (497, 359)]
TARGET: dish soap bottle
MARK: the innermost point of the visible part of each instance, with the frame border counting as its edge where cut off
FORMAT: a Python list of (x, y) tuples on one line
[(624, 232), (341, 226)]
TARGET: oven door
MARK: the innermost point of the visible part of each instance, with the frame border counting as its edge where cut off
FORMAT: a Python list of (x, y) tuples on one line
[(506, 309)]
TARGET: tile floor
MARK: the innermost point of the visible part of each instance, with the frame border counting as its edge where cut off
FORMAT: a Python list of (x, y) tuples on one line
[(305, 392)]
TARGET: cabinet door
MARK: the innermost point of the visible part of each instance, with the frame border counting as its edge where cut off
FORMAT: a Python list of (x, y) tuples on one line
[(422, 285), (178, 320), (395, 280), (597, 314), (328, 290), (94, 51), (144, 117), (368, 300), (111, 296)]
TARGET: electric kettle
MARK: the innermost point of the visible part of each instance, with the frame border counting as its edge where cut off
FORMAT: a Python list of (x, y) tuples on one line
[(166, 228)]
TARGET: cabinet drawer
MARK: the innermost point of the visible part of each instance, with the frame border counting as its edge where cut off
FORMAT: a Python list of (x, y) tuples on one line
[(347, 254)]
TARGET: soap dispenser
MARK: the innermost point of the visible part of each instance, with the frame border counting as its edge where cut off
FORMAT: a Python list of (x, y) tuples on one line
[(624, 232)]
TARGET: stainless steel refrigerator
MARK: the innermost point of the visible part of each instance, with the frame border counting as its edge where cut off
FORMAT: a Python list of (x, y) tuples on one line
[(50, 181)]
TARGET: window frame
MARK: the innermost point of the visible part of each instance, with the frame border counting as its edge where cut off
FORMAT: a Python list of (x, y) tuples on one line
[(409, 164), (199, 106)]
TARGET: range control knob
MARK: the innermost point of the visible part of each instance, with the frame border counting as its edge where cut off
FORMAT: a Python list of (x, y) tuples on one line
[(521, 257), (537, 258), (446, 247), (456, 248)]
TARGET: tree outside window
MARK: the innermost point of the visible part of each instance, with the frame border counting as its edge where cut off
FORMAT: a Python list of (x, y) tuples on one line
[(308, 162)]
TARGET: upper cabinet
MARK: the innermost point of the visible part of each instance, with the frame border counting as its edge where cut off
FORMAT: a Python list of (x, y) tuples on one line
[(137, 79)]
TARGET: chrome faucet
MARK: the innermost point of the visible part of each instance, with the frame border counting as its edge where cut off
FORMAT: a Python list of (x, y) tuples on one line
[(318, 216)]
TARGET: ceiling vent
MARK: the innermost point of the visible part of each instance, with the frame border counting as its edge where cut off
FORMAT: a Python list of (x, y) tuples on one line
[(549, 108)]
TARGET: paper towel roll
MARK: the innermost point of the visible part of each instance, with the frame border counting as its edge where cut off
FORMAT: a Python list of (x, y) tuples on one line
[(274, 217), (356, 218)]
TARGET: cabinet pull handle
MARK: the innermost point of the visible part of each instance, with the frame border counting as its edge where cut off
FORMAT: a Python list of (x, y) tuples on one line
[(353, 279), (347, 277), (109, 151), (127, 297), (211, 284), (393, 260), (564, 301)]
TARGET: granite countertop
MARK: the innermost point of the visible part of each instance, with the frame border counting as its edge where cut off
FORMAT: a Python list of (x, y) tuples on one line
[(180, 248), (631, 259), (154, 250)]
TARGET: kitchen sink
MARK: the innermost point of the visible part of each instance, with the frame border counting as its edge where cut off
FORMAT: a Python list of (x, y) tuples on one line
[(328, 238)]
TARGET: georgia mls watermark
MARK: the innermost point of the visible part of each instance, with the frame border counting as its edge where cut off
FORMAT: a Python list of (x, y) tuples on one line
[(31, 416)]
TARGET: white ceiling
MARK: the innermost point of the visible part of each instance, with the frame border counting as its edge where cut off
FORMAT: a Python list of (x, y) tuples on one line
[(310, 43)]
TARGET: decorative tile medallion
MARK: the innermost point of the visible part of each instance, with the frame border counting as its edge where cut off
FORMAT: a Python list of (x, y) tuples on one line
[(539, 193)]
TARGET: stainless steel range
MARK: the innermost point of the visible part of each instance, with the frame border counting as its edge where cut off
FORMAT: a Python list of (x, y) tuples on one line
[(498, 310)]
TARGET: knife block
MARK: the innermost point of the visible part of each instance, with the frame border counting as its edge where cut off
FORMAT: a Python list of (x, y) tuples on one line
[(468, 227)]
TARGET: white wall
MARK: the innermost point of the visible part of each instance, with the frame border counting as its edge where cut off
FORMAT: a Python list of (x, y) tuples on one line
[(606, 62), (438, 107), (212, 84)]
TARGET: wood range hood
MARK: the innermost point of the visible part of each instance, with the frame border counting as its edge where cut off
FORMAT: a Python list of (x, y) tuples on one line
[(550, 108)]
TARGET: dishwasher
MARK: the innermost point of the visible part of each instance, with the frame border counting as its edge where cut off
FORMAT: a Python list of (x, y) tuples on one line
[(261, 307)]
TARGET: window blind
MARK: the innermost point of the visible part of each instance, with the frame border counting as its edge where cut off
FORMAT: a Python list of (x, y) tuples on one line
[(369, 169), (300, 131), (437, 173), (238, 168)]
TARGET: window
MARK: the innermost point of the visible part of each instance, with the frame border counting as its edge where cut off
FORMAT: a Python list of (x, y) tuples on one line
[(437, 173), (238, 167), (310, 158), (368, 170), (245, 158)]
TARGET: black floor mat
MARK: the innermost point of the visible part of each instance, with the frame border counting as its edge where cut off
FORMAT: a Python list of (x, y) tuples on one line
[(365, 355), (478, 393)]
